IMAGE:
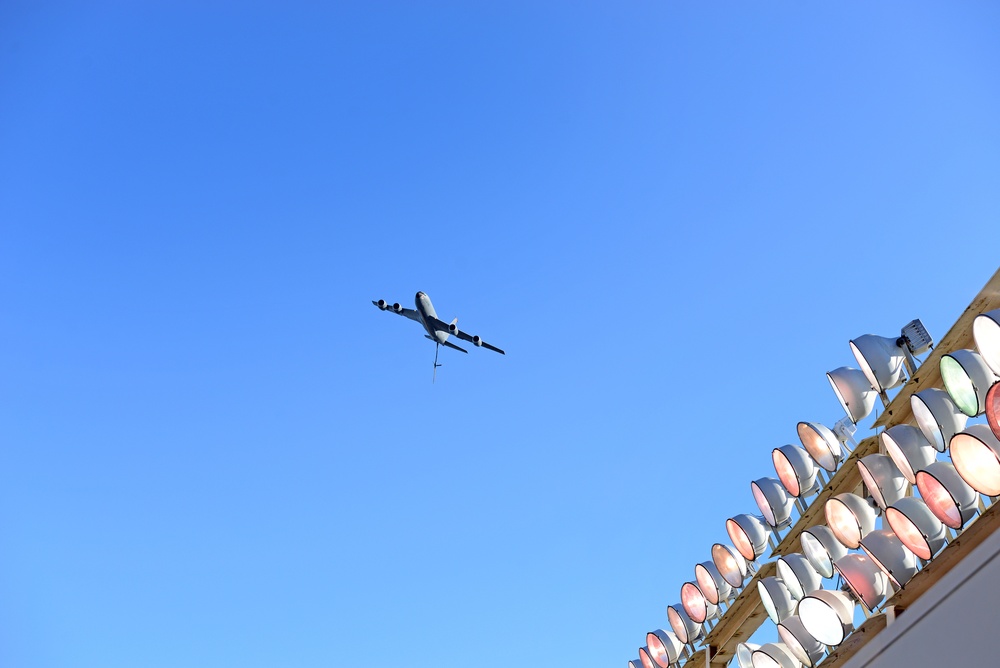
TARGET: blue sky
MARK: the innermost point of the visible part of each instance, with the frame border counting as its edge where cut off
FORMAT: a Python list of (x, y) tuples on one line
[(214, 451)]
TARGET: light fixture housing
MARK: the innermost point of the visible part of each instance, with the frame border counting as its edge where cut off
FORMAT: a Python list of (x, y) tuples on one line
[(909, 448), (731, 564), (796, 470), (821, 444), (889, 554), (774, 655), (884, 481), (635, 663), (696, 605), (744, 654), (685, 628), (869, 583), (749, 534), (986, 332), (711, 583), (773, 501), (850, 518), (967, 379), (948, 496), (821, 547), (777, 600), (664, 647), (803, 646), (827, 615), (937, 416), (976, 455), (799, 576), (881, 360), (915, 525), (645, 659), (854, 392)]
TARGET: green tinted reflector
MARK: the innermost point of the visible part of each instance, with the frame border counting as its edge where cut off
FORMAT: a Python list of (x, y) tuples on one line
[(959, 386)]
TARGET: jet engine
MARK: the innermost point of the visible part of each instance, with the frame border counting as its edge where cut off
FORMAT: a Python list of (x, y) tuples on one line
[(382, 305), (397, 308), (477, 341), (453, 329)]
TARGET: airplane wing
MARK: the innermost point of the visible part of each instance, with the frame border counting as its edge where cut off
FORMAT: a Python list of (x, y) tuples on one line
[(396, 308), (474, 340)]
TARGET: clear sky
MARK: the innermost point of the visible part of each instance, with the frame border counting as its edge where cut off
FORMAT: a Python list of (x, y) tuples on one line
[(214, 451)]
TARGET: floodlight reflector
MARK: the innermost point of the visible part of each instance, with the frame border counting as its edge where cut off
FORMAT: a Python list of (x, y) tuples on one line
[(967, 379), (664, 647), (993, 409), (881, 359), (796, 469), (803, 646), (644, 657), (976, 455), (850, 518), (685, 628), (986, 332), (937, 416), (909, 448), (776, 598), (798, 574), (635, 663), (773, 501), (774, 655), (884, 481), (948, 496), (827, 615), (888, 552), (821, 547), (731, 564), (744, 654), (711, 583), (696, 605), (869, 583), (749, 534), (821, 444), (854, 392), (913, 522)]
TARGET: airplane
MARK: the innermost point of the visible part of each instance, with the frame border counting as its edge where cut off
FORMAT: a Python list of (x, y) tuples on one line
[(437, 330)]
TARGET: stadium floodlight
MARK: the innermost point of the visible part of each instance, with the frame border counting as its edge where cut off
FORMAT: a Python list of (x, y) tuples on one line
[(777, 600), (774, 655), (711, 583), (686, 629), (664, 647), (744, 654), (914, 523), (850, 518), (884, 481), (774, 502), (796, 470), (804, 647), (967, 379), (976, 455), (696, 605), (821, 547), (749, 534), (909, 448), (869, 583), (993, 409), (827, 615), (635, 663), (821, 444), (798, 574), (854, 392), (889, 554), (937, 416), (644, 657), (881, 360), (731, 564), (986, 332), (949, 497)]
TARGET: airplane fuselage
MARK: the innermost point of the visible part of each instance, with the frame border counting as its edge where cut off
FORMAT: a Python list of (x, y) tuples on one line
[(427, 313)]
